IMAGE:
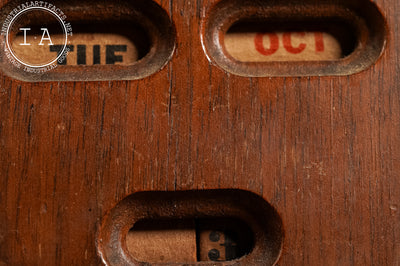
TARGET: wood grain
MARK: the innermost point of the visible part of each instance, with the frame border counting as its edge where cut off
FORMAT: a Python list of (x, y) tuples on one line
[(324, 151)]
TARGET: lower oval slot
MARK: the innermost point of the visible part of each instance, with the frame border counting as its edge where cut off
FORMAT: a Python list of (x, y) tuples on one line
[(205, 227)]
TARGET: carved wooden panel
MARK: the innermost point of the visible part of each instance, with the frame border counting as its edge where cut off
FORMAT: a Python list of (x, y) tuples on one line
[(323, 150)]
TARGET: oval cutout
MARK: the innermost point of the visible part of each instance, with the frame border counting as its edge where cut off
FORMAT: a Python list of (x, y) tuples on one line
[(222, 227), (121, 40), (275, 38)]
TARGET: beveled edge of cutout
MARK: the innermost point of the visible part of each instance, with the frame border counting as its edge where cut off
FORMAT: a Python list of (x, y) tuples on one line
[(364, 15), (260, 216), (151, 16)]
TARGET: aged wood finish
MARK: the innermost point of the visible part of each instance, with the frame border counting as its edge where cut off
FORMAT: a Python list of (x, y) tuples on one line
[(324, 151)]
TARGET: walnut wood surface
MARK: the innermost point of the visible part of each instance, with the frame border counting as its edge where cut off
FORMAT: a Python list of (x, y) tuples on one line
[(324, 151)]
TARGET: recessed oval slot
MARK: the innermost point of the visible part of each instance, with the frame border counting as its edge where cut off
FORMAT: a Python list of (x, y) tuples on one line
[(291, 38), (209, 227), (109, 41), (190, 240), (116, 43), (264, 41)]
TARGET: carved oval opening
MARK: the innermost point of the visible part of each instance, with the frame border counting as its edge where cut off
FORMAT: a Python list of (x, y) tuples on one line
[(292, 38)]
